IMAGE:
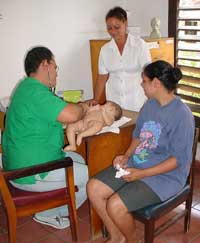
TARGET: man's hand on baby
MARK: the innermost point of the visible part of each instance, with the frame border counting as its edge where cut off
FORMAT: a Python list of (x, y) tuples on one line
[(92, 102), (94, 108), (84, 106)]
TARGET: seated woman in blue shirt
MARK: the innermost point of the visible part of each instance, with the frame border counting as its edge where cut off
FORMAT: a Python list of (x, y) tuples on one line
[(158, 158)]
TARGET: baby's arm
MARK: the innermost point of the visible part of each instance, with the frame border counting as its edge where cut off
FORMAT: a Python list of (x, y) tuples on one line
[(93, 128), (108, 118)]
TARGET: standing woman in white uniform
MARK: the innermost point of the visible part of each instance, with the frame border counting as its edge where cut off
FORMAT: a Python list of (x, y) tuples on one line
[(121, 61)]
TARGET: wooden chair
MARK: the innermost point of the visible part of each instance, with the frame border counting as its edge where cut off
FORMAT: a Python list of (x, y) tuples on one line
[(19, 203), (150, 214)]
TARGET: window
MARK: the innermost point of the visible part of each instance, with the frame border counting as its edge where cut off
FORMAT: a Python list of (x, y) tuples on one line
[(188, 52)]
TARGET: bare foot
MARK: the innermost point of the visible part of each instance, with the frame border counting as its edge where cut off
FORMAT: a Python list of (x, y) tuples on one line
[(70, 148), (117, 240), (78, 140)]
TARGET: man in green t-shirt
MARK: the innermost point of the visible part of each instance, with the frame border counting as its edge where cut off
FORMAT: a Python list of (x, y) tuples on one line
[(34, 134)]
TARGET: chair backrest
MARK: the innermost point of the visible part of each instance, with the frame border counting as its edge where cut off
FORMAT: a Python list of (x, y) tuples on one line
[(19, 203), (6, 196), (190, 179)]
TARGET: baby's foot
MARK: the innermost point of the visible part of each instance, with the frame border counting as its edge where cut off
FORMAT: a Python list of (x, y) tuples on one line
[(79, 140), (70, 148)]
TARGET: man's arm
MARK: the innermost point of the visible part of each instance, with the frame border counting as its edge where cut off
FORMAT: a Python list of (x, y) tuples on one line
[(71, 113)]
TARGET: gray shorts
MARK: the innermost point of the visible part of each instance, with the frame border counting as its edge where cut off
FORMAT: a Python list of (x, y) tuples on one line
[(135, 195)]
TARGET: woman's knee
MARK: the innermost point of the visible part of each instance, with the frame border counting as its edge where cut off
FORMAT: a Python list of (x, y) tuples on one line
[(92, 186), (115, 206), (97, 189)]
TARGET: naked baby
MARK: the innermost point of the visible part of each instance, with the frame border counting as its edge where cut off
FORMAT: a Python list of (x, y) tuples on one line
[(95, 119)]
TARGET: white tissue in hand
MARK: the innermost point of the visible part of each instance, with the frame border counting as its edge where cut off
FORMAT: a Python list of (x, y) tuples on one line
[(121, 172), (117, 167)]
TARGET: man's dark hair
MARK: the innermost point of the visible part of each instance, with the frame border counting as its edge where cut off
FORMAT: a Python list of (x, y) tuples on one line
[(34, 57)]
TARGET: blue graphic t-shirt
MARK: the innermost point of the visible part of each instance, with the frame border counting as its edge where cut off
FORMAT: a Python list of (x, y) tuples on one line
[(164, 131)]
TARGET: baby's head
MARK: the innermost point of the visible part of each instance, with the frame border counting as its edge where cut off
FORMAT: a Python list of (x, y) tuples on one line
[(113, 109)]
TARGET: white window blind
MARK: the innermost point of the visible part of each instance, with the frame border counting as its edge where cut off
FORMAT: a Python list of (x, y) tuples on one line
[(188, 52)]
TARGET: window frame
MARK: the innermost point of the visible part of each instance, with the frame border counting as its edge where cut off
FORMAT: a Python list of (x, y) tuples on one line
[(173, 31)]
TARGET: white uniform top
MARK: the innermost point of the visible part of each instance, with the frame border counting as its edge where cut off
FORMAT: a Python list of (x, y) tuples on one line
[(124, 83)]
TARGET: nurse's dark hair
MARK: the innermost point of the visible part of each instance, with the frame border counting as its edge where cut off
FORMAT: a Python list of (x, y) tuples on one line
[(168, 75), (118, 13), (34, 57)]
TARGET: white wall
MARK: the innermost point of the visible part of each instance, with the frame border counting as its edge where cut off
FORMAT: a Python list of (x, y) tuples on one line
[(65, 27), (142, 11)]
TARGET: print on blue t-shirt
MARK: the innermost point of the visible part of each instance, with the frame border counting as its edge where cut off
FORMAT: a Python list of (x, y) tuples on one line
[(149, 137)]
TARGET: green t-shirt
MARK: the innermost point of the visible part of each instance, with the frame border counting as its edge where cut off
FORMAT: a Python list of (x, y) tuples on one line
[(32, 134)]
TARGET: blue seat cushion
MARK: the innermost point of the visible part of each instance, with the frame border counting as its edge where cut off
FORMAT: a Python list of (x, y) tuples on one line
[(154, 210)]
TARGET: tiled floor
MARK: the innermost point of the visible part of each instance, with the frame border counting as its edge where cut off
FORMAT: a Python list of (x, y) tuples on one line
[(29, 231)]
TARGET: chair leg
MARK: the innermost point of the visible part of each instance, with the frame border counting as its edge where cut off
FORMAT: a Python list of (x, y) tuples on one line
[(149, 231), (73, 223), (71, 203), (12, 224), (187, 218)]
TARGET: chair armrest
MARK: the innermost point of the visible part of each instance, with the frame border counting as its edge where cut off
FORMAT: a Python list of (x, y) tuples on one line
[(32, 170)]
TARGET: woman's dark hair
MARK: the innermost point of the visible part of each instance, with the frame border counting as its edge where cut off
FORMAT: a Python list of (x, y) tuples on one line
[(118, 13), (34, 57), (165, 72)]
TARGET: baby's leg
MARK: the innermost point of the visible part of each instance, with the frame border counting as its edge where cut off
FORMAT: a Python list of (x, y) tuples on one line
[(93, 128), (71, 131)]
